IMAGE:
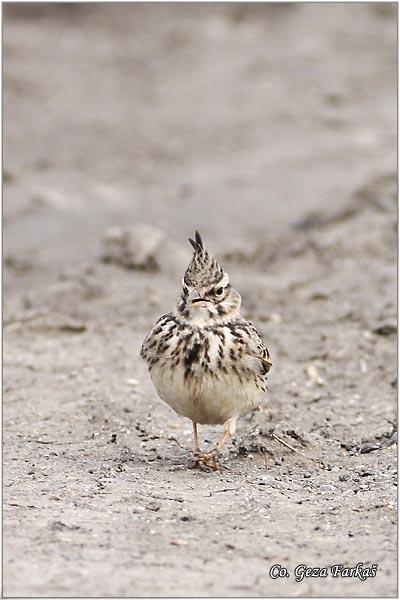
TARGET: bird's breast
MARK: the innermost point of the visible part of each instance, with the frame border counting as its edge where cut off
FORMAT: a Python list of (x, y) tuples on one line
[(206, 374)]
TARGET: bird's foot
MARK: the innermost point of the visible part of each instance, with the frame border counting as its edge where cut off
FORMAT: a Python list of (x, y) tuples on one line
[(206, 461)]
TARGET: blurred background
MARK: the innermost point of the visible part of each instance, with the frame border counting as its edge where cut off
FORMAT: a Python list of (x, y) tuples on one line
[(235, 119)]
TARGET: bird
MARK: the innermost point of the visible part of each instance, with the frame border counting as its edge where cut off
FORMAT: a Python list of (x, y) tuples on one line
[(205, 361)]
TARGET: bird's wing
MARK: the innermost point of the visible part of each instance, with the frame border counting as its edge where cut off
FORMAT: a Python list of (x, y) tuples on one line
[(258, 349), (154, 342)]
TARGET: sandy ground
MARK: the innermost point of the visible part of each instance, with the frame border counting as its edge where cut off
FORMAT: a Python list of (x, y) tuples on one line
[(271, 129)]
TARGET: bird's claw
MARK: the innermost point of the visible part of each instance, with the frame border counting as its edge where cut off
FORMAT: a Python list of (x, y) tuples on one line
[(206, 461)]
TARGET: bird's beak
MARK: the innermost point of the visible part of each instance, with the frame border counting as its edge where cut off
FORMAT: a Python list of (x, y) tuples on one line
[(194, 297)]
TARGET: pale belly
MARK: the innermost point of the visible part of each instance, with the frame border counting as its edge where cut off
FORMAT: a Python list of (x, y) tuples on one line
[(205, 398)]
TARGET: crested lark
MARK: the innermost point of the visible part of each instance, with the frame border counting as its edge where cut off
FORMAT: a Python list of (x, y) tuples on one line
[(205, 361)]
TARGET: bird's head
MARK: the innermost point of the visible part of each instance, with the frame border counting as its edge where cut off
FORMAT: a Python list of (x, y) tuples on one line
[(207, 296)]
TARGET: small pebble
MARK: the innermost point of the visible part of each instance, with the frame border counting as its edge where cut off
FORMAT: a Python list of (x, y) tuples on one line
[(314, 375), (327, 488), (370, 448), (386, 329), (178, 543), (132, 382)]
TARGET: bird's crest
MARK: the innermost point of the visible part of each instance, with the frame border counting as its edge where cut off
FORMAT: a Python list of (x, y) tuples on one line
[(203, 269)]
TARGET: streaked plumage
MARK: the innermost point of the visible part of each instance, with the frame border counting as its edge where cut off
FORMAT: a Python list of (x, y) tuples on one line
[(205, 361)]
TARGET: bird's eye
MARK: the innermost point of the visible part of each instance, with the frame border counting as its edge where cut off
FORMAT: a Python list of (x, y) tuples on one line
[(219, 291), (185, 289)]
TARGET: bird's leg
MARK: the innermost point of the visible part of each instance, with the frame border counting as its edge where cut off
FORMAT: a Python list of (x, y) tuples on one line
[(229, 431), (196, 438), (225, 438), (197, 452), (209, 460)]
